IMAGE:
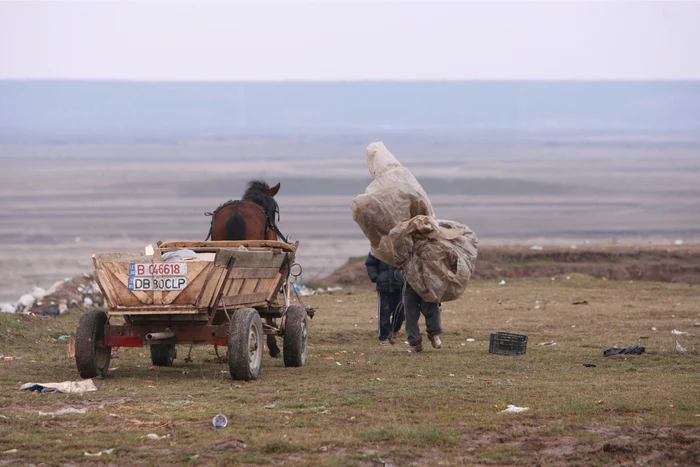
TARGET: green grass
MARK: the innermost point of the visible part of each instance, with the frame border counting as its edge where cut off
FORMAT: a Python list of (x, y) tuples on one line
[(358, 403)]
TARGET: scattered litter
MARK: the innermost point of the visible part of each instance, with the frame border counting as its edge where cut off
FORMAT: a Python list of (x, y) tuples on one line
[(502, 282), (514, 409), (19, 358), (680, 348), (4, 417), (537, 247), (106, 452), (338, 363), (10, 451), (7, 359), (452, 375), (676, 332), (678, 242), (325, 412), (379, 379), (65, 387), (64, 338), (697, 325), (66, 411), (644, 337), (177, 403), (633, 350), (152, 368), (113, 368), (270, 406), (589, 365), (653, 329), (220, 421), (471, 340), (155, 437), (582, 302), (547, 343)]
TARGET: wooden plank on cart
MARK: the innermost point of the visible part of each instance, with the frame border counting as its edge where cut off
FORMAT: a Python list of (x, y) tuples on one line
[(212, 245)]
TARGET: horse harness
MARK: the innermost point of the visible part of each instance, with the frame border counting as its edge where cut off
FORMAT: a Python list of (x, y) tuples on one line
[(269, 223)]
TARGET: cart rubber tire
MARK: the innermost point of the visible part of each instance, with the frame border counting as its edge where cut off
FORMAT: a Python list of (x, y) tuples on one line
[(90, 359), (245, 344), (163, 354), (296, 333)]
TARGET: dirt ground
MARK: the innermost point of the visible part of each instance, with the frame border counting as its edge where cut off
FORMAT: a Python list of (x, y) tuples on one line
[(660, 263), (356, 403)]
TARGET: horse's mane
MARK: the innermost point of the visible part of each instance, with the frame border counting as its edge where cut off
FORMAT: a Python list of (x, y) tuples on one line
[(257, 192)]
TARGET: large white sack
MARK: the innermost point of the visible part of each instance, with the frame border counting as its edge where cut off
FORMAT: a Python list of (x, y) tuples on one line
[(437, 256), (395, 214), (394, 196)]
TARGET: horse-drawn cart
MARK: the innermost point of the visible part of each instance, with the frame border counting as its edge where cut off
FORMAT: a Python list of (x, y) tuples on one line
[(225, 293)]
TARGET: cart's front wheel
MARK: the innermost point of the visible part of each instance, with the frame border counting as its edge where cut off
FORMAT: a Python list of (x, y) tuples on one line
[(245, 344), (91, 355), (163, 354), (296, 333)]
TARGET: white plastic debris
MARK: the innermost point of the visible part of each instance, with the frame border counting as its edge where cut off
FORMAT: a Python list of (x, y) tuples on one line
[(502, 282), (653, 329), (515, 409), (106, 452), (38, 293), (155, 437), (66, 411), (471, 340), (676, 332), (678, 242), (547, 343), (25, 301), (679, 347), (87, 301), (537, 247)]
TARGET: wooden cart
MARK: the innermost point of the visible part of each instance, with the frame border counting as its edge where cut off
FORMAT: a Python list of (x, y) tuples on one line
[(226, 293)]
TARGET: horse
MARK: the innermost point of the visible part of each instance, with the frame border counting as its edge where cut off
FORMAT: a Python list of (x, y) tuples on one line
[(250, 218)]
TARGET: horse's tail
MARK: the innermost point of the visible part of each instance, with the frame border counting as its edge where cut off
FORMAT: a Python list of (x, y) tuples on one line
[(235, 227)]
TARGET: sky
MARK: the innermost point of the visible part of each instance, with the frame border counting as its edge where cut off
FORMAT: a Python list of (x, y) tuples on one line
[(321, 40)]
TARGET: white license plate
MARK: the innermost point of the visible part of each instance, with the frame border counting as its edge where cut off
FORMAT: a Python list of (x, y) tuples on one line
[(157, 269), (157, 283)]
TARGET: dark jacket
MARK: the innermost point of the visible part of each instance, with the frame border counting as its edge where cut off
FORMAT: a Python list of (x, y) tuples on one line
[(386, 276)]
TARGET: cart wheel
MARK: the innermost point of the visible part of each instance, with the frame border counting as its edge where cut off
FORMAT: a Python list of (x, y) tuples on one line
[(245, 344), (163, 354), (296, 333), (91, 356)]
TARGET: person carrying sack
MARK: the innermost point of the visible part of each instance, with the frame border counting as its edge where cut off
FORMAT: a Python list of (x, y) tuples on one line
[(390, 313)]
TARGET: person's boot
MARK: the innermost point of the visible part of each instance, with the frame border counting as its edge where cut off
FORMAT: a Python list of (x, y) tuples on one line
[(435, 340)]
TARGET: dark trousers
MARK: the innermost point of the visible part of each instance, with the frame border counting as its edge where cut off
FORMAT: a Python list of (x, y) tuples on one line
[(390, 313), (414, 306)]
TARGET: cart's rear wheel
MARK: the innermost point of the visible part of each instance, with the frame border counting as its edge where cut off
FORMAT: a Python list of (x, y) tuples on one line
[(296, 333), (91, 356), (245, 344), (163, 354)]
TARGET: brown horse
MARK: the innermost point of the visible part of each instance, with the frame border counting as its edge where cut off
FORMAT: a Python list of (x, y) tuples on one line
[(250, 218)]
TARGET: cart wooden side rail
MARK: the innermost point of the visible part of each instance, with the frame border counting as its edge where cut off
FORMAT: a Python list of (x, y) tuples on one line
[(203, 293)]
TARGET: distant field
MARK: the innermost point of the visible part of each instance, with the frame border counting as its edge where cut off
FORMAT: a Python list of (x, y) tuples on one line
[(59, 203)]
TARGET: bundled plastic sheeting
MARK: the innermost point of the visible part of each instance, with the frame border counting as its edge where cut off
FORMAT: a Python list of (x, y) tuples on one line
[(437, 256), (393, 197)]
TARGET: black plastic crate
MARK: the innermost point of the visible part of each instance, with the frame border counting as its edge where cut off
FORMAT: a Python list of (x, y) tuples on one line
[(505, 343)]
